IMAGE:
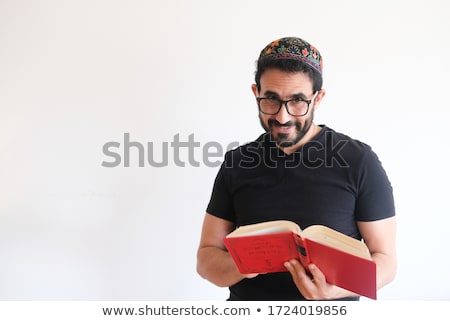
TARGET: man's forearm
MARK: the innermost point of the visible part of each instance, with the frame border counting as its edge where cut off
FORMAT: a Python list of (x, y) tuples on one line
[(386, 268), (217, 266)]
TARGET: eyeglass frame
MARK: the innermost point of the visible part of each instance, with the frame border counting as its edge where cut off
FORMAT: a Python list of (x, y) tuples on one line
[(285, 103)]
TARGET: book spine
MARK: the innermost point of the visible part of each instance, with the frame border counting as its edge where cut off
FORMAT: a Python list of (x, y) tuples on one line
[(303, 250)]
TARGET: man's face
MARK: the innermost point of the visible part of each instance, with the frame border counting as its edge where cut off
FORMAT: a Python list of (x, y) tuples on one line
[(287, 130)]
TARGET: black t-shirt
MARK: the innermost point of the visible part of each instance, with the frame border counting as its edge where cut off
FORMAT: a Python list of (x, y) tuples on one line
[(332, 180)]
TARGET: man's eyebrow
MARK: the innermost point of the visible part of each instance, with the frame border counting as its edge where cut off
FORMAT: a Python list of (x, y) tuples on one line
[(298, 95), (269, 93)]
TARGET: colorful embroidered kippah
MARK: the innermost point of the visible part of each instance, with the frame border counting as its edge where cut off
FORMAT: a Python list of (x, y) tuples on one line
[(293, 48)]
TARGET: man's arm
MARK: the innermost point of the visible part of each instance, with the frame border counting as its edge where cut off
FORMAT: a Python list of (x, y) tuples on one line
[(380, 238), (214, 263)]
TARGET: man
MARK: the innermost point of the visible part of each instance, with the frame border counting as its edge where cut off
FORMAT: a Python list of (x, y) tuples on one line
[(301, 172)]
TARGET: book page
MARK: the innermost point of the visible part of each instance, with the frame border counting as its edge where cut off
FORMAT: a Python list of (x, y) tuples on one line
[(330, 237), (271, 227)]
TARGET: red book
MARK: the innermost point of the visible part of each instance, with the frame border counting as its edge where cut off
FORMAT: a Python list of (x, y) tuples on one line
[(264, 247)]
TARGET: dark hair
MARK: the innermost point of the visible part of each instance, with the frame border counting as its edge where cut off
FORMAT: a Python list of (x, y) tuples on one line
[(288, 65)]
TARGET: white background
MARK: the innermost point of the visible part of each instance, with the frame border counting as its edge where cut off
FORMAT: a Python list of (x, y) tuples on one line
[(75, 75)]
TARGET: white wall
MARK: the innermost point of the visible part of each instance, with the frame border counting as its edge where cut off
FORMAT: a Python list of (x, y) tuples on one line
[(75, 75)]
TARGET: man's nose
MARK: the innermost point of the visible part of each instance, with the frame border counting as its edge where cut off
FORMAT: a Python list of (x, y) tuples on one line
[(283, 116)]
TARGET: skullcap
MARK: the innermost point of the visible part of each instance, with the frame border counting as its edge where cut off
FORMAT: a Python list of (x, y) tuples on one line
[(293, 48)]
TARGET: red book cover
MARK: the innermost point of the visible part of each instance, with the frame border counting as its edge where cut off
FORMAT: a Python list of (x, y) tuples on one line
[(267, 253)]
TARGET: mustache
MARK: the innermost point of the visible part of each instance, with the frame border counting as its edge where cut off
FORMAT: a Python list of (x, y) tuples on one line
[(274, 122)]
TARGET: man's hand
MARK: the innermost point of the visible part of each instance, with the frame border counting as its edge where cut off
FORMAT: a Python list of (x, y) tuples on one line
[(312, 284)]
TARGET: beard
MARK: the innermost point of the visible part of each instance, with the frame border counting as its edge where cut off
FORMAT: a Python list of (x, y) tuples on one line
[(284, 140)]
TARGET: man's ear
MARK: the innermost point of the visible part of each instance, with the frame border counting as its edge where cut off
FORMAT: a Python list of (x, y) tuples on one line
[(319, 98), (255, 90)]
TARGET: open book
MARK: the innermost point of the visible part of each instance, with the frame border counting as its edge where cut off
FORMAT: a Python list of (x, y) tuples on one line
[(264, 247)]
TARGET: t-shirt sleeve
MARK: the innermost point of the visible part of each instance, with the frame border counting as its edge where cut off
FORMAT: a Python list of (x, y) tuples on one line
[(375, 200), (221, 203)]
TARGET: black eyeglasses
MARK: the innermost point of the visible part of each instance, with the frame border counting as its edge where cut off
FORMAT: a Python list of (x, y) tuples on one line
[(295, 107)]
